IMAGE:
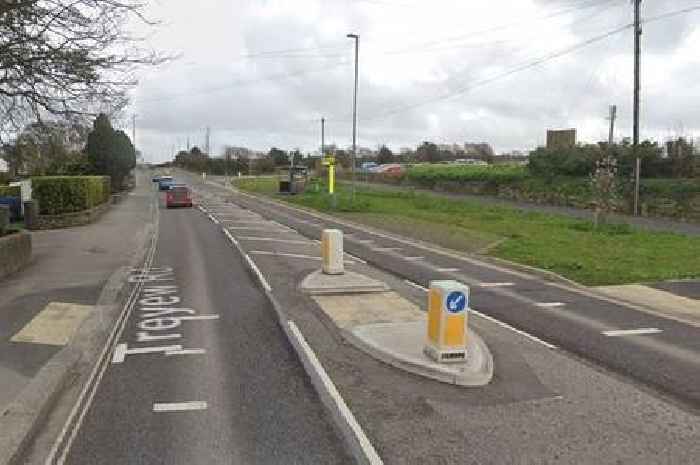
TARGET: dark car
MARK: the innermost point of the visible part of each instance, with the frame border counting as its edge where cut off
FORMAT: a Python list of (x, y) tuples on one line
[(178, 196)]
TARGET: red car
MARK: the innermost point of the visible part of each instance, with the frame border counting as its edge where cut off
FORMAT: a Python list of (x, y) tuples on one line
[(178, 196)]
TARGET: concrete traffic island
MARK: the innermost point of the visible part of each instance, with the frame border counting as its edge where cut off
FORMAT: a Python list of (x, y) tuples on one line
[(391, 329)]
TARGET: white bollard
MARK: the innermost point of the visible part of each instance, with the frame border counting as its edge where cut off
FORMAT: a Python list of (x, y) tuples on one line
[(332, 251)]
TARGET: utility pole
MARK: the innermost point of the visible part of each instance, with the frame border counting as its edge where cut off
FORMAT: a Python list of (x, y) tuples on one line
[(635, 131), (188, 143), (323, 137), (354, 111), (611, 134), (206, 142)]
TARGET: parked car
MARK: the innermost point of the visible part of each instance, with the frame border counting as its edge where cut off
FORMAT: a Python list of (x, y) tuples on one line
[(179, 195), (165, 183), (392, 169), (155, 178)]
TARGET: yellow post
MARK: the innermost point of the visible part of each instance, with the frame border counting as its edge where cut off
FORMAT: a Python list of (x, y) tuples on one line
[(331, 179)]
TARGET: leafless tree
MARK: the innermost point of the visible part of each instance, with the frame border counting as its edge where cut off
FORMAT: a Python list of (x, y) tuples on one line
[(67, 58)]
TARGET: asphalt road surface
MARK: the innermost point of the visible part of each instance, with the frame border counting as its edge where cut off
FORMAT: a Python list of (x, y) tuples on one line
[(202, 373), (661, 353)]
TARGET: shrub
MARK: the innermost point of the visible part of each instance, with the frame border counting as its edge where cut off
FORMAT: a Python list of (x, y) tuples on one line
[(430, 175), (10, 191), (66, 194)]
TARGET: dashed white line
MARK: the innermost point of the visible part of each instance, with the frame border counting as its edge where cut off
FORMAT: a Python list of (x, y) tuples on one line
[(496, 285), (386, 249), (413, 259), (631, 332), (356, 258), (271, 239), (186, 352), (446, 270), (179, 406), (549, 304), (283, 254)]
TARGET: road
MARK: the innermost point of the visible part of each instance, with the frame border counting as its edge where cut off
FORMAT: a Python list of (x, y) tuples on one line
[(660, 353), (202, 372)]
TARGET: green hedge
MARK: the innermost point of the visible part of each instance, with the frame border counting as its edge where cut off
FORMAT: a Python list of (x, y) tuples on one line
[(429, 175), (10, 191), (66, 194)]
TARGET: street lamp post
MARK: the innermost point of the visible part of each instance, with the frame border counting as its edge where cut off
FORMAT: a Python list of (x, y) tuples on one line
[(356, 37)]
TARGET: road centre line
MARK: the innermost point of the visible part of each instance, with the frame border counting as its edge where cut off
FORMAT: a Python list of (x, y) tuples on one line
[(261, 278), (324, 382), (386, 249), (492, 319), (230, 237), (631, 332), (549, 304), (413, 259), (446, 270), (487, 285), (186, 352), (179, 406)]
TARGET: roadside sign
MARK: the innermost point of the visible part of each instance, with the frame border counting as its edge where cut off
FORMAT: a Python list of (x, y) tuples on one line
[(456, 302)]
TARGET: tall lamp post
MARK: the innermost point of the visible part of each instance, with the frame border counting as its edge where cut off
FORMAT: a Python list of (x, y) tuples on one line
[(356, 37)]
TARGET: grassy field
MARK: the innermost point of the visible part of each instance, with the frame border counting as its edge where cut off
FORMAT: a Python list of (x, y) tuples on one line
[(612, 254)]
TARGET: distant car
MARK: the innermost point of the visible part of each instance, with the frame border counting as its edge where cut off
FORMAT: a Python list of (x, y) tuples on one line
[(155, 178), (392, 169), (178, 196), (165, 183)]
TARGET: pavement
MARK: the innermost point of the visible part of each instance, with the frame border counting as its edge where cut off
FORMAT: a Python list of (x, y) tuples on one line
[(42, 306), (562, 390)]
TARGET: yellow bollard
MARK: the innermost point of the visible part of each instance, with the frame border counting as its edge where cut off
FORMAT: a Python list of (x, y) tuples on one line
[(448, 304)]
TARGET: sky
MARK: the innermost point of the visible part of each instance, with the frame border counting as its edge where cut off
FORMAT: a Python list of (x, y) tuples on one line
[(262, 73)]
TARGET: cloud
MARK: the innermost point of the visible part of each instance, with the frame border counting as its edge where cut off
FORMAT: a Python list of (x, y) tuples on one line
[(428, 71)]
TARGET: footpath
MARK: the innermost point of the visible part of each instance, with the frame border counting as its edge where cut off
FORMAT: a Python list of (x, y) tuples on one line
[(66, 296), (542, 405)]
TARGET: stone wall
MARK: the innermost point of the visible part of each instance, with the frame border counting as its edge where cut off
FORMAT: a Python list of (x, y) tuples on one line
[(15, 252), (68, 220)]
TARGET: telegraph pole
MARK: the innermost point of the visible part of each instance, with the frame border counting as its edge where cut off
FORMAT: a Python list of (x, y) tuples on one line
[(635, 131), (206, 142), (133, 131), (611, 134), (323, 137)]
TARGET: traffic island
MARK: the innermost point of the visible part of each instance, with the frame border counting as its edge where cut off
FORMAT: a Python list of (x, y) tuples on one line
[(393, 330)]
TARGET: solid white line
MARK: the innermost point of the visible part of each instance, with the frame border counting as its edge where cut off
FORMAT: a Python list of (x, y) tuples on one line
[(282, 254), (417, 286), (186, 352), (230, 237), (271, 239), (631, 332), (496, 284), (507, 326), (255, 268), (179, 406), (550, 304), (327, 383)]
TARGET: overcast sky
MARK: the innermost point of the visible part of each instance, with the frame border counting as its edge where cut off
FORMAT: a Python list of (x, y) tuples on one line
[(262, 73)]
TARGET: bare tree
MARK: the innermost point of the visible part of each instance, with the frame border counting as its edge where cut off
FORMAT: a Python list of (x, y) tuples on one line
[(67, 58)]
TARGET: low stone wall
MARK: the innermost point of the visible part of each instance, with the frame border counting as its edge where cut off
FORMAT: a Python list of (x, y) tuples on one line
[(15, 252), (68, 220)]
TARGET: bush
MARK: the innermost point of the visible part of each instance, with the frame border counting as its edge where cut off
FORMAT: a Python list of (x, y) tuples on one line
[(66, 194), (430, 175), (10, 191)]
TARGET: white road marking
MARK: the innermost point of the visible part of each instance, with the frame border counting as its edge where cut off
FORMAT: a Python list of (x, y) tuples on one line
[(631, 332), (198, 317), (283, 254), (186, 352), (122, 350), (179, 406), (364, 241), (417, 286), (386, 249), (507, 326), (230, 237), (325, 383), (413, 259), (255, 268), (214, 220), (550, 304), (496, 284), (357, 259), (271, 239)]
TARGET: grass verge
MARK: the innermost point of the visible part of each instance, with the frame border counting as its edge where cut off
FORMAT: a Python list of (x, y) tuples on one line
[(610, 254)]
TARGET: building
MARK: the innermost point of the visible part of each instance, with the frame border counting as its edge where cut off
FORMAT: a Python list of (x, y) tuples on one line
[(4, 168), (478, 150), (561, 138)]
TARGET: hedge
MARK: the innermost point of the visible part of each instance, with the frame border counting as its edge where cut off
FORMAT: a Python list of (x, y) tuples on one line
[(67, 194), (429, 175), (10, 191)]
